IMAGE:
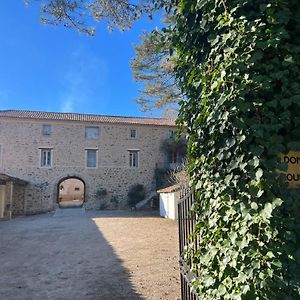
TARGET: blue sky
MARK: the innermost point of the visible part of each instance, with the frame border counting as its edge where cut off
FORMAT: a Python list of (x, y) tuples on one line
[(50, 68)]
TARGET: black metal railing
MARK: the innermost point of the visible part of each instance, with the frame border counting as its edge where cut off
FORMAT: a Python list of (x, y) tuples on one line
[(186, 222)]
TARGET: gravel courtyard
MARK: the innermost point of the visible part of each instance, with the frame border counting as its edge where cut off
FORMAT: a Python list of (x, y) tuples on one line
[(81, 255)]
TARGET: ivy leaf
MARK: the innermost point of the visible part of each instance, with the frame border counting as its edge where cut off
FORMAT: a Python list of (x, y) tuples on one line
[(277, 202), (222, 290), (259, 174), (233, 237), (228, 178), (254, 205), (270, 254), (208, 281), (255, 161), (230, 142), (277, 263), (259, 193), (267, 211), (270, 272)]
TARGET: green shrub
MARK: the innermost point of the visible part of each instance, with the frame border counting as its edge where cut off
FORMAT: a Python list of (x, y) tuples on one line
[(114, 200), (103, 205), (136, 194)]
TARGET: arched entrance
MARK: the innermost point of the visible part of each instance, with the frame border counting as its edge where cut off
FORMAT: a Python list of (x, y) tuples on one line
[(71, 192)]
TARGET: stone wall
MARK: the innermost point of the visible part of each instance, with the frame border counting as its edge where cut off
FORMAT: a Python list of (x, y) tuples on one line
[(21, 142), (18, 200), (7, 207)]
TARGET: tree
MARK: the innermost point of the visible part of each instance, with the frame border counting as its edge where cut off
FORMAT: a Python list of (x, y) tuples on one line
[(80, 13), (154, 67)]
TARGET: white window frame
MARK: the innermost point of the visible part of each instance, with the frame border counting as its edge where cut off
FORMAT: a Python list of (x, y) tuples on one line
[(49, 150), (130, 133), (130, 153), (86, 157), (46, 129), (91, 137)]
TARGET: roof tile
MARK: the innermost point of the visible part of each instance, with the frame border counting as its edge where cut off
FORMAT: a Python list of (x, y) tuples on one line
[(57, 116), (170, 189)]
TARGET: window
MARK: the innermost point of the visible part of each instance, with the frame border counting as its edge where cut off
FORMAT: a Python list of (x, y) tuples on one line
[(171, 134), (91, 158), (92, 133), (172, 157), (46, 129), (46, 157), (133, 133), (133, 158)]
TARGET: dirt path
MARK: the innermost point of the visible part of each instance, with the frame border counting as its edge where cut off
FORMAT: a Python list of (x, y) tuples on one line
[(99, 256)]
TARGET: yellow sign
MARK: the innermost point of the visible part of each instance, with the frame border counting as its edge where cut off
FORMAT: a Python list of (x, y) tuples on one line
[(293, 171)]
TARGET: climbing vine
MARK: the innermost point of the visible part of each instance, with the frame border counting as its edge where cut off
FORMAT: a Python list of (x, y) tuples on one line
[(238, 63)]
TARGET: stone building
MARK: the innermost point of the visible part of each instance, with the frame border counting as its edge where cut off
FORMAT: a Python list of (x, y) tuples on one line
[(41, 151)]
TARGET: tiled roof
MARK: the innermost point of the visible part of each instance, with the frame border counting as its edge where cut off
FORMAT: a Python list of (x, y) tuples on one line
[(170, 189), (57, 116), (4, 178)]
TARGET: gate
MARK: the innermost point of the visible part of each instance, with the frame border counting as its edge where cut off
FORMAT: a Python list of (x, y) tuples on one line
[(186, 222)]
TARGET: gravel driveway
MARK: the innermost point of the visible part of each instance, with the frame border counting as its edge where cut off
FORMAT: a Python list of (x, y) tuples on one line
[(81, 255)]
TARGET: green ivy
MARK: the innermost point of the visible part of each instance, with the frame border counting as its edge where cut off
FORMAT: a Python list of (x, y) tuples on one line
[(238, 62)]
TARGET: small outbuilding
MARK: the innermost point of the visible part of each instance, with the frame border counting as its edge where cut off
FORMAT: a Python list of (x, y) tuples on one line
[(12, 196), (168, 201)]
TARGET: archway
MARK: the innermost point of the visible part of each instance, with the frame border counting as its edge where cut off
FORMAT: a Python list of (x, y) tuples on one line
[(71, 192)]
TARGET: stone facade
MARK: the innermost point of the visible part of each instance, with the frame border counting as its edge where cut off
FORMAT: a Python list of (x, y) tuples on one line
[(18, 200), (12, 196), (22, 141)]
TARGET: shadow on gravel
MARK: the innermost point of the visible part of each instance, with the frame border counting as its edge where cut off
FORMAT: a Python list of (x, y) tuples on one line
[(60, 257)]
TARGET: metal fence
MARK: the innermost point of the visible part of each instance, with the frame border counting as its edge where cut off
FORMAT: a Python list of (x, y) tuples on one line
[(186, 224)]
